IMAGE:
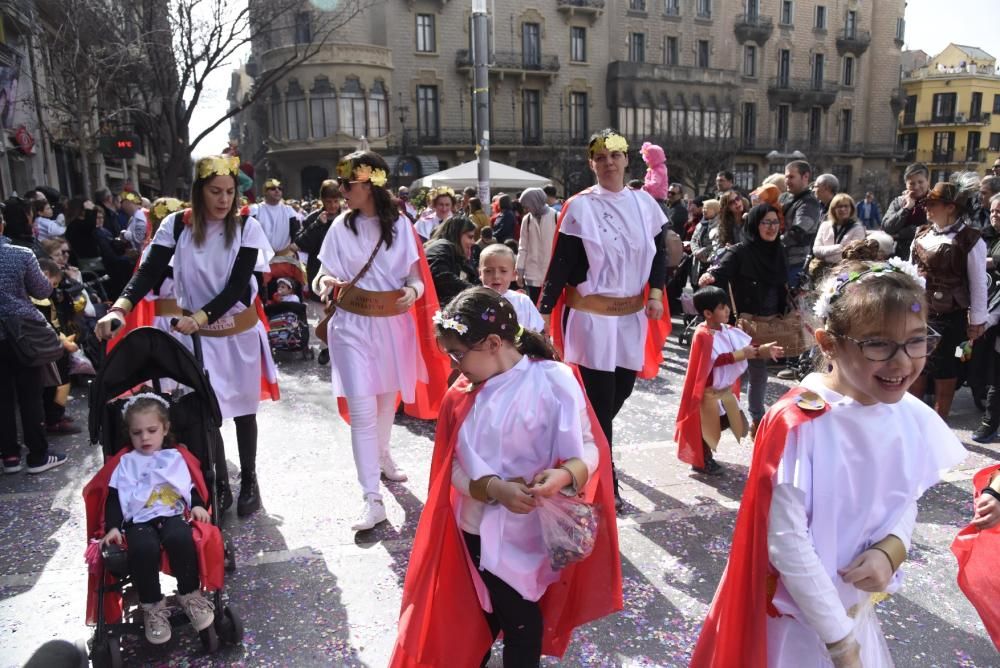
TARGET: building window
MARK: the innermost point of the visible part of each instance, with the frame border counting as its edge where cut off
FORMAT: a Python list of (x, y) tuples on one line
[(643, 122), (426, 39), (976, 108), (848, 70), (995, 141), (787, 14), (819, 64), (843, 174), (637, 5), (677, 128), (671, 51), (704, 9), (943, 109), (694, 123), (531, 44), (745, 175), (295, 111), (972, 146), (532, 121), (851, 25), (944, 147), (784, 112), (323, 108), (672, 7), (749, 60), (303, 28), (378, 111), (275, 113), (815, 126), (578, 125), (996, 104), (578, 44), (749, 128), (637, 47), (703, 53), (352, 109), (846, 120), (428, 126), (784, 67), (910, 110), (820, 17), (753, 9), (900, 29)]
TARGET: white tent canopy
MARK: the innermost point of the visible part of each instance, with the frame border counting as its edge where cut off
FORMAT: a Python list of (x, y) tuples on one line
[(501, 177)]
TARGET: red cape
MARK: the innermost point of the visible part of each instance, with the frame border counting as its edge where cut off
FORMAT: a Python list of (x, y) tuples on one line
[(978, 555), (688, 431), (207, 537), (656, 333), (735, 630), (441, 622), (427, 396)]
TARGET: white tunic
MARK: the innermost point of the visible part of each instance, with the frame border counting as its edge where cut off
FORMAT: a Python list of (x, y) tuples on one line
[(617, 230), (274, 219), (236, 364), (854, 474), (151, 486), (524, 421), (527, 313), (47, 228), (727, 340), (372, 355), (135, 230), (426, 223)]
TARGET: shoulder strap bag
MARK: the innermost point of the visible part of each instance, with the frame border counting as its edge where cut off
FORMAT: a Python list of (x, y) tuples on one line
[(331, 306)]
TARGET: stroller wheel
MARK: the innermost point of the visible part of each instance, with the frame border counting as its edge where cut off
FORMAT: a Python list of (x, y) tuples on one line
[(229, 557), (106, 653), (229, 626), (209, 639)]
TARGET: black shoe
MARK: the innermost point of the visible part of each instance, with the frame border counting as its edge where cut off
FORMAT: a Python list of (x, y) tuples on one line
[(619, 502), (711, 467), (984, 434), (225, 498), (324, 357), (249, 499)]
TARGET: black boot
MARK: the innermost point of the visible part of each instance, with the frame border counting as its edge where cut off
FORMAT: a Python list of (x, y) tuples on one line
[(324, 357), (224, 494), (249, 499)]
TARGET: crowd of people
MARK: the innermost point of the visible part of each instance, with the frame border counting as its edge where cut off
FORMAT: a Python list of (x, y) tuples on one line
[(540, 315)]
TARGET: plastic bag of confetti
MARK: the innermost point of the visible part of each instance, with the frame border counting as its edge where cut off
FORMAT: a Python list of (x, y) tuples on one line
[(569, 528)]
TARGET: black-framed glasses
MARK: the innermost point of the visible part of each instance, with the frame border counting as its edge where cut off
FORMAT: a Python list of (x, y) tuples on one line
[(883, 350), (772, 222), (457, 357)]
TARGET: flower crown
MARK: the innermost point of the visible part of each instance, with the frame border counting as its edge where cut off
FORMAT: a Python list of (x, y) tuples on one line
[(218, 165), (361, 173), (454, 323), (836, 286), (130, 196), (164, 206), (144, 395), (613, 142), (438, 192)]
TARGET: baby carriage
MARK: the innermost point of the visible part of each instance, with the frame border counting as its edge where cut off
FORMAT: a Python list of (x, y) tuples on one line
[(142, 358), (287, 321)]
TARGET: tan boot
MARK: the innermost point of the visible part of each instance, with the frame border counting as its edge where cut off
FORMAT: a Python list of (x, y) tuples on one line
[(156, 620), (199, 609)]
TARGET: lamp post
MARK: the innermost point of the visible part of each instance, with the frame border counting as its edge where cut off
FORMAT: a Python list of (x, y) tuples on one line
[(481, 95), (402, 109)]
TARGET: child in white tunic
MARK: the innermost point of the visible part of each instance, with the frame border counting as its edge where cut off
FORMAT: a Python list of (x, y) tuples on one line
[(496, 271)]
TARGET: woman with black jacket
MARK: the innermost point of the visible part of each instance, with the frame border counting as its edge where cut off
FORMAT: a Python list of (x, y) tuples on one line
[(315, 227), (756, 272), (448, 252)]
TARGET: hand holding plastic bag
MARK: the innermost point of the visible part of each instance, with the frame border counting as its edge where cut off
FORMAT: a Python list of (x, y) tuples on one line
[(569, 528)]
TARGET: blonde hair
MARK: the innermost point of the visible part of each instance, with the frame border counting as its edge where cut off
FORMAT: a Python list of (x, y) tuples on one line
[(776, 179), (837, 200), (713, 205), (497, 249)]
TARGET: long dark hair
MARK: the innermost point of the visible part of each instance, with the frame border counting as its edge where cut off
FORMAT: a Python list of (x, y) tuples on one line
[(18, 214), (452, 230), (483, 312), (386, 210), (205, 170)]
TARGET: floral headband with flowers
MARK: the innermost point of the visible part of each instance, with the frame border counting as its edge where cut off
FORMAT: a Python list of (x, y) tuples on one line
[(613, 142), (361, 173), (129, 196), (439, 191), (836, 287), (217, 165), (505, 315)]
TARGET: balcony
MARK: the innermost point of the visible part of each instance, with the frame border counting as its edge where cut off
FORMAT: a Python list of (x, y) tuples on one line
[(330, 54), (952, 156), (621, 69), (802, 94), (763, 145), (753, 28), (512, 62), (943, 156), (591, 9), (946, 120), (502, 138), (853, 41)]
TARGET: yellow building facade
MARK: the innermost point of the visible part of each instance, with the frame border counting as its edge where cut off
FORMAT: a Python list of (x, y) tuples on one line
[(951, 115)]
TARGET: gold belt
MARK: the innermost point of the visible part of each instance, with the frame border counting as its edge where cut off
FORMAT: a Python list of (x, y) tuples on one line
[(603, 304), (229, 325), (167, 307), (370, 303), (711, 429)]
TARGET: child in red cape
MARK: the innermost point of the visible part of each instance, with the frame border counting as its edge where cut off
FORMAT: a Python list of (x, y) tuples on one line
[(831, 499), (514, 428), (710, 400), (976, 548)]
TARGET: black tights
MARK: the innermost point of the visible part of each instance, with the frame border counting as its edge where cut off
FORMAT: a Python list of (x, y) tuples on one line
[(607, 392), (246, 441), (519, 619), (144, 541)]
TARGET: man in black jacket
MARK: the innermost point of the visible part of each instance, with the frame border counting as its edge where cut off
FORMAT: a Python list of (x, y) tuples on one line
[(802, 218), (906, 213)]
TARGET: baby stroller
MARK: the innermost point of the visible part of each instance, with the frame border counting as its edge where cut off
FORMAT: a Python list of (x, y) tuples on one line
[(288, 324), (142, 358), (690, 316)]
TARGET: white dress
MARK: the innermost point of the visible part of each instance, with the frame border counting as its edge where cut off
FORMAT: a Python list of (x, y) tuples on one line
[(274, 220), (527, 313), (854, 474), (617, 230), (238, 364), (372, 355)]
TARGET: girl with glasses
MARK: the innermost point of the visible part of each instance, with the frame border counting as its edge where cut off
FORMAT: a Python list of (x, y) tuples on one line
[(831, 499)]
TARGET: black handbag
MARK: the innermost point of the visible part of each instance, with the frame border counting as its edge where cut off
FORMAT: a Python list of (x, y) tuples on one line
[(34, 342)]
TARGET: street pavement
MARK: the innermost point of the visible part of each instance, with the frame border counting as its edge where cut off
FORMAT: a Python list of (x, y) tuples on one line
[(312, 593)]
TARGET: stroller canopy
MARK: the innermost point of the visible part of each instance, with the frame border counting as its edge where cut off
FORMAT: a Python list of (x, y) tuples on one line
[(142, 355)]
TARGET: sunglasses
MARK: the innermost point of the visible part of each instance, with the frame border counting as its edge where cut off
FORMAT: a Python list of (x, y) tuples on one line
[(275, 188)]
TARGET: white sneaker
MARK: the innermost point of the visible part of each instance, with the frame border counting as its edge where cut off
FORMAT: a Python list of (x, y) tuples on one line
[(156, 620), (199, 609), (390, 470), (373, 513)]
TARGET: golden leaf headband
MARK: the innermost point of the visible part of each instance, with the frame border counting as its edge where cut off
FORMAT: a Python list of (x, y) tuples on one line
[(130, 197), (361, 173), (218, 165), (613, 142), (164, 206), (439, 191)]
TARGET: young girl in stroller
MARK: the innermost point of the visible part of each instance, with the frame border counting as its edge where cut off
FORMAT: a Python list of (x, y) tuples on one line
[(150, 496)]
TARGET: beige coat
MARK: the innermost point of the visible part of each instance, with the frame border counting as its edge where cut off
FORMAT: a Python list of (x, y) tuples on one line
[(534, 250)]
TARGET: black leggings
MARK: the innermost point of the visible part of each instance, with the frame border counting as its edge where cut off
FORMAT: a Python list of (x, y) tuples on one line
[(144, 541), (246, 442), (519, 619), (607, 392)]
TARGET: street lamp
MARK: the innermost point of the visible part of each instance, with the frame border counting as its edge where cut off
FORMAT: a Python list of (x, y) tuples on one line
[(481, 95), (402, 109)]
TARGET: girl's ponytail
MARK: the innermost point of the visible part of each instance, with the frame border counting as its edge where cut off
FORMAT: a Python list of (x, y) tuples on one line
[(533, 344)]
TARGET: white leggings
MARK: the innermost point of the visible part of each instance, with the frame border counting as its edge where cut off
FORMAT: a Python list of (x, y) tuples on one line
[(371, 426)]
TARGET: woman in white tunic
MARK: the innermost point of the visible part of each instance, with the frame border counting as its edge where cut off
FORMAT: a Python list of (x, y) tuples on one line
[(610, 245), (374, 353), (440, 204), (214, 257)]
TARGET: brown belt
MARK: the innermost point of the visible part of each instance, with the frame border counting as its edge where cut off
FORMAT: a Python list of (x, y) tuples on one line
[(167, 307), (603, 304), (228, 325), (374, 304)]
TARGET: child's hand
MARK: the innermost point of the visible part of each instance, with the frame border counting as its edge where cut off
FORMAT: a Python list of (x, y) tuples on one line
[(514, 496), (987, 512), (113, 536), (200, 514), (751, 352), (550, 481), (772, 350), (870, 571)]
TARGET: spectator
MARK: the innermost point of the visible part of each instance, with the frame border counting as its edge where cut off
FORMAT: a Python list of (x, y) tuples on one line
[(730, 219), (19, 215), (869, 213), (485, 239), (503, 228), (704, 238), (406, 207), (81, 233), (316, 225), (695, 214), (467, 194), (996, 167), (838, 229), (104, 199), (906, 213), (552, 199), (448, 254), (825, 188), (46, 225), (22, 385), (724, 182), (440, 205), (135, 229), (987, 429), (55, 396), (675, 209), (478, 216), (538, 232), (278, 219), (802, 216), (988, 188)]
